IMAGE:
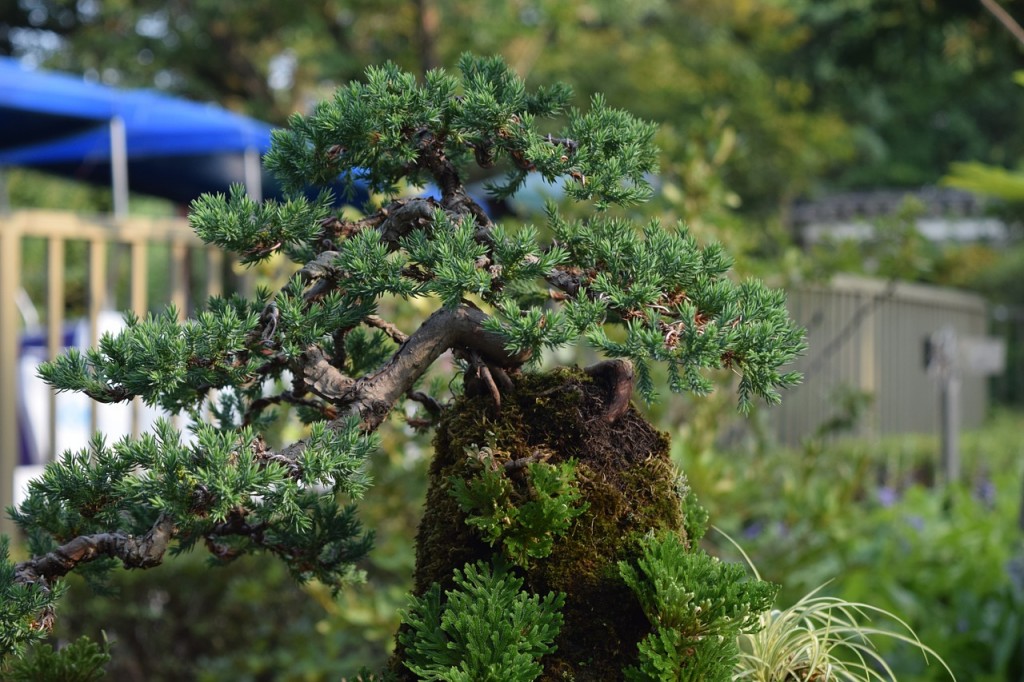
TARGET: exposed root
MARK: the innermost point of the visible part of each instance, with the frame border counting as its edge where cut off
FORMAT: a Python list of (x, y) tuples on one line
[(617, 375)]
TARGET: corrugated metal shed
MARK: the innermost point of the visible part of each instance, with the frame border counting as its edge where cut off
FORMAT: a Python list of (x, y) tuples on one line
[(868, 335)]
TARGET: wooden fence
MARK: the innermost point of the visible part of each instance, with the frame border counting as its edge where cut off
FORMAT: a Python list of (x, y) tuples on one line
[(137, 264)]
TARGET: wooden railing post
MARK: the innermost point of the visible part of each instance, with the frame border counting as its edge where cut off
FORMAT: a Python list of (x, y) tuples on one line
[(10, 278), (54, 327)]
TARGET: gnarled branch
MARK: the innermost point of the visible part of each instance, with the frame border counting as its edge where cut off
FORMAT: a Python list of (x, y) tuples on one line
[(372, 397), (324, 379), (392, 330), (134, 552), (448, 328)]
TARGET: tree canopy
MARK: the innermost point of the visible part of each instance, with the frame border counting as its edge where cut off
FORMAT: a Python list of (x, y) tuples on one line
[(922, 84), (832, 93)]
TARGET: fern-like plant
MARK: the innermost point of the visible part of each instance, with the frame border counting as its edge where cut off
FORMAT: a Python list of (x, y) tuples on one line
[(524, 516), (698, 606), (486, 629)]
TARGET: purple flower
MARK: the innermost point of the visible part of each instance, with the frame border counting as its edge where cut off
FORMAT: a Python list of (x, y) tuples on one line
[(753, 530), (915, 521), (887, 496), (985, 492)]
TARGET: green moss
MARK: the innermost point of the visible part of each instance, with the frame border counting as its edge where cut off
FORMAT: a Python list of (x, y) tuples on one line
[(625, 477)]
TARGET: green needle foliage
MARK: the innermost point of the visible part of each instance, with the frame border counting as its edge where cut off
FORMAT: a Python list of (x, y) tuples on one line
[(698, 606), (677, 307), (486, 629), (378, 127), (20, 608), (129, 485), (166, 362)]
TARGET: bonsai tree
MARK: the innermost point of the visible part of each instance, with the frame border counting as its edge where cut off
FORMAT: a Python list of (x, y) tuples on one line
[(557, 540)]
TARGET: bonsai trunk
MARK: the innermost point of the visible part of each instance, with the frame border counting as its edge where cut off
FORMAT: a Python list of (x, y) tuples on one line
[(625, 477)]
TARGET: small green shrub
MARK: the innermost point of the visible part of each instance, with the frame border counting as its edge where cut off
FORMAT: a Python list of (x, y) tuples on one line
[(951, 566), (526, 515), (487, 629), (80, 661), (698, 606), (190, 622), (859, 515)]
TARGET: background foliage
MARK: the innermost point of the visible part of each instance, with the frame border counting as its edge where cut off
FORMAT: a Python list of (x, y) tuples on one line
[(758, 102)]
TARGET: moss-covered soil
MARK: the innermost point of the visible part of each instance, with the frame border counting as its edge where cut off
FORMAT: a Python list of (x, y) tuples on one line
[(626, 477)]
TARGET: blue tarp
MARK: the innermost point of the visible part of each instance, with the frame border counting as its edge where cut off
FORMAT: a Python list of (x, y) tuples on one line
[(176, 149), (156, 125), (35, 107)]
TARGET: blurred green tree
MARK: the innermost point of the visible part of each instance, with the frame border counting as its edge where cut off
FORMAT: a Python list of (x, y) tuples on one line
[(670, 62), (923, 84)]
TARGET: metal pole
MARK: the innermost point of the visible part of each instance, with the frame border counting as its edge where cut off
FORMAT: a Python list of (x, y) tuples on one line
[(5, 195), (253, 174), (119, 166), (949, 404), (950, 396)]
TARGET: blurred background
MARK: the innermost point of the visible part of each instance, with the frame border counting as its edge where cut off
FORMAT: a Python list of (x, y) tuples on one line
[(864, 154)]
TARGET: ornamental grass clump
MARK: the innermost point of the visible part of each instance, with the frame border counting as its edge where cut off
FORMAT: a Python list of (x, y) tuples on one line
[(823, 638)]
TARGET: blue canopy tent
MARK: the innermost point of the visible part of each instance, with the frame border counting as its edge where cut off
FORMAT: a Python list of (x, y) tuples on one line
[(36, 108), (171, 148), (152, 143)]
